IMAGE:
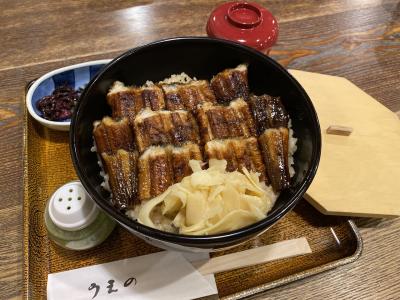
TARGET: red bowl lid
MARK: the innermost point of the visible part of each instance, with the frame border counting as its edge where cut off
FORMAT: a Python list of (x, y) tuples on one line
[(244, 22)]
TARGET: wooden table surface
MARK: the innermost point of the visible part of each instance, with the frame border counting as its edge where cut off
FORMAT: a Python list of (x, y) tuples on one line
[(357, 39)]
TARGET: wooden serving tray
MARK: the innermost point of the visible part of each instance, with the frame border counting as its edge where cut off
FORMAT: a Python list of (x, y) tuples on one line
[(334, 241)]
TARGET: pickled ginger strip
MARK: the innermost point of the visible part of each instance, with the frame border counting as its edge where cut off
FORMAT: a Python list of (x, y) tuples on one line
[(210, 201)]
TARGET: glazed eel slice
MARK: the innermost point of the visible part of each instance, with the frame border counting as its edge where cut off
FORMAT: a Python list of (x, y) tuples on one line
[(121, 169), (274, 148), (111, 135), (165, 127), (238, 153), (271, 121), (162, 166), (231, 84), (222, 122), (129, 101), (188, 95), (268, 112)]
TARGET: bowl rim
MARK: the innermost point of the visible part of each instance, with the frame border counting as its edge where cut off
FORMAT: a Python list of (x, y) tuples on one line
[(42, 78), (205, 240)]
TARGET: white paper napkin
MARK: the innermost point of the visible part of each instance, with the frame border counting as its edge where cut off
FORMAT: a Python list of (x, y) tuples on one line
[(162, 275)]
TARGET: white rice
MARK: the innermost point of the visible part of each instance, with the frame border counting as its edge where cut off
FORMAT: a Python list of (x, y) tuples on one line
[(117, 87), (182, 78), (148, 83), (105, 184), (178, 78), (241, 67), (291, 149)]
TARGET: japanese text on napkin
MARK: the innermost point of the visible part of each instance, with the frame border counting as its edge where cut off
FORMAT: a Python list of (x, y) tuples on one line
[(162, 275)]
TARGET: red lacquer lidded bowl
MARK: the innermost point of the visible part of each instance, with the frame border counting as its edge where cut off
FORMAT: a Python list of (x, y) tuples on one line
[(247, 23)]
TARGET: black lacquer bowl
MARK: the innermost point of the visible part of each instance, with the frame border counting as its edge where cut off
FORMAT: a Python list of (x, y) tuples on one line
[(201, 58)]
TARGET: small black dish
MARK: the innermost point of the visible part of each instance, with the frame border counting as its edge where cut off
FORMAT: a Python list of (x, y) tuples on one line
[(202, 58)]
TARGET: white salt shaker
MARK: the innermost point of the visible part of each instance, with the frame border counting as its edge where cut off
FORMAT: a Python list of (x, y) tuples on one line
[(74, 221)]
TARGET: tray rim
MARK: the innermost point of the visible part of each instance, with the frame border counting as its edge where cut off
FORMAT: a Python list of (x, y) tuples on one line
[(254, 291), (258, 290)]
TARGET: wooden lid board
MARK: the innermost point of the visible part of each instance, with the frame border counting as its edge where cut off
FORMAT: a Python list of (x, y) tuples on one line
[(359, 174)]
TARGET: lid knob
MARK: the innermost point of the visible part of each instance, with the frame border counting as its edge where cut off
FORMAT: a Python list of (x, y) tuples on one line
[(244, 15), (244, 22)]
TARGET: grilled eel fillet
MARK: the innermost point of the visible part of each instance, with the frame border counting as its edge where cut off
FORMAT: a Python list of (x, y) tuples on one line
[(238, 153), (160, 167), (187, 96), (121, 168), (129, 101), (221, 122), (165, 127), (271, 121), (268, 112), (111, 135), (274, 143), (231, 84)]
